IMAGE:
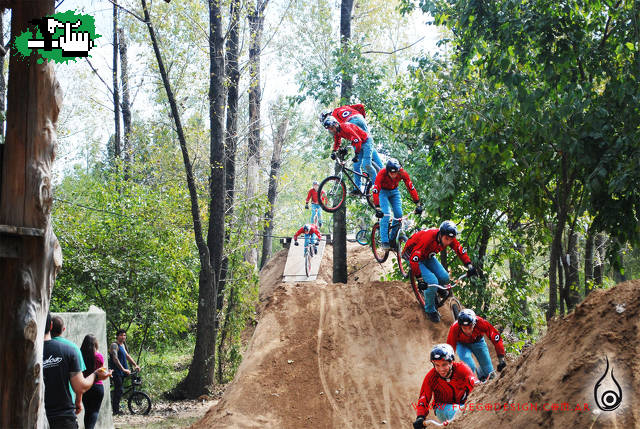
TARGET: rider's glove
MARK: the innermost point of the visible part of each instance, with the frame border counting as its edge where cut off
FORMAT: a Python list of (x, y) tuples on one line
[(418, 209), (501, 363), (355, 159), (471, 271), (422, 285), (333, 155), (295, 243), (379, 213), (306, 206), (419, 423)]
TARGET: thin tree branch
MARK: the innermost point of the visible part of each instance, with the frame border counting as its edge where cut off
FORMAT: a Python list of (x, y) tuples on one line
[(99, 77), (135, 15), (394, 51)]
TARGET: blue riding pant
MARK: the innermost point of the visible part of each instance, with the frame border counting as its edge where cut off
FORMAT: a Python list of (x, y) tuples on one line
[(307, 238), (446, 411), (358, 120), (480, 350), (366, 157), (389, 197), (432, 273), (315, 209)]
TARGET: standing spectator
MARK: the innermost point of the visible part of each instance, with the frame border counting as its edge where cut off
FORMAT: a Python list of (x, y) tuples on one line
[(92, 399), (118, 357), (60, 367), (57, 328)]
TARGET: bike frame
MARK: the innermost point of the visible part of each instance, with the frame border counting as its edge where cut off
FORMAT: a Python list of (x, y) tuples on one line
[(344, 170)]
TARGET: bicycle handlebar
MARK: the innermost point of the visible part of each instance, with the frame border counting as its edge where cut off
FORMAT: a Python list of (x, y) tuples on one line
[(450, 285), (434, 422)]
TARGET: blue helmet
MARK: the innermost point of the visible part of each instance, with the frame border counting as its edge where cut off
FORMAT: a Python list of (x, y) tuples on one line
[(393, 165), (449, 229), (467, 317), (323, 115), (442, 352), (330, 121), (307, 227)]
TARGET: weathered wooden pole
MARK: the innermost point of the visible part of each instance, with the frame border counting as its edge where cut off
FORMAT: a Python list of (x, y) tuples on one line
[(30, 255)]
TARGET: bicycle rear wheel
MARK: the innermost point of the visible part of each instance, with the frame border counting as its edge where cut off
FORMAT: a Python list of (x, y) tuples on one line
[(336, 192), (376, 244), (403, 264), (139, 403), (361, 237), (455, 308), (417, 292)]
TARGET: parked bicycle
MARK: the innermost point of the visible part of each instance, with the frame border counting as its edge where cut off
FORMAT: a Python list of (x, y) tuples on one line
[(397, 239), (137, 400), (362, 236), (444, 293), (335, 186)]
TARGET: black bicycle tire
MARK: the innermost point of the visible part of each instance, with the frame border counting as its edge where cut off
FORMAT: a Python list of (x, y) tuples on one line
[(362, 238), (404, 269), (344, 194), (385, 253), (416, 291), (456, 307), (145, 397), (307, 261)]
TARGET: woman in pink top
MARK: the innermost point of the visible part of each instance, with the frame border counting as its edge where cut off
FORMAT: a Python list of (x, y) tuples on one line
[(92, 398)]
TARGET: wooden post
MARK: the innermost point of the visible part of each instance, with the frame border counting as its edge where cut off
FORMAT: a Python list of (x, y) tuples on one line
[(28, 269)]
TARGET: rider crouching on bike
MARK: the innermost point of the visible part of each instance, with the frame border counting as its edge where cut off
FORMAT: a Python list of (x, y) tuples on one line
[(354, 113), (365, 153), (309, 231), (466, 336), (315, 203), (421, 250), (448, 382), (386, 193)]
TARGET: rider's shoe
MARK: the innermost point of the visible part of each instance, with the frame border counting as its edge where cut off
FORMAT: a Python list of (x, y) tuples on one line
[(320, 224), (384, 246), (434, 316), (315, 249), (393, 244), (444, 293)]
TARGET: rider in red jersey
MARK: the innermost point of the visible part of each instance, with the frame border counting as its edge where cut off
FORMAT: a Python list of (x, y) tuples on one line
[(448, 382)]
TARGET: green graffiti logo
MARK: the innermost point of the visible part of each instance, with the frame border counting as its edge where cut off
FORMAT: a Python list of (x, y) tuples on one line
[(61, 37)]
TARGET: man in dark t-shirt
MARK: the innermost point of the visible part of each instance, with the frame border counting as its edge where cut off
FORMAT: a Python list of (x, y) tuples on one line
[(60, 367)]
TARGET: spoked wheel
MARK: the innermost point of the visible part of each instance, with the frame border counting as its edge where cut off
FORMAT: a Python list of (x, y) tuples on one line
[(376, 244), (336, 192), (307, 261), (455, 307), (416, 291), (361, 237), (139, 403), (403, 264)]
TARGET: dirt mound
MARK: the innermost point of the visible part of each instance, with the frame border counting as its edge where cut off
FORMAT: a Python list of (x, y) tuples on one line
[(327, 355), (550, 383)]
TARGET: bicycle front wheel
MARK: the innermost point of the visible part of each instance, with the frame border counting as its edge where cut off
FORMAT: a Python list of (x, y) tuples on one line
[(376, 244), (335, 191), (139, 403), (361, 237), (417, 292), (307, 262)]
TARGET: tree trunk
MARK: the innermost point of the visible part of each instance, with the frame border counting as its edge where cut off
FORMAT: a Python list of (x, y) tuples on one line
[(196, 381), (554, 258), (340, 216), (600, 251), (256, 22), (572, 277), (231, 144), (588, 261), (3, 90), (272, 195), (30, 256), (116, 91), (126, 103)]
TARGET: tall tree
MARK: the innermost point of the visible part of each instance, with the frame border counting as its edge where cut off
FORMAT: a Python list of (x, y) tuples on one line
[(340, 217), (256, 24), (279, 137), (30, 255), (116, 91), (201, 370), (126, 99)]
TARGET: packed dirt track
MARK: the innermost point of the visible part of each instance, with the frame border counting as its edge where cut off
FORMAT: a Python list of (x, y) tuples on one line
[(327, 355)]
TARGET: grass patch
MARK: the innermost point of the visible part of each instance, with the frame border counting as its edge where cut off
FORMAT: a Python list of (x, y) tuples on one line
[(163, 370)]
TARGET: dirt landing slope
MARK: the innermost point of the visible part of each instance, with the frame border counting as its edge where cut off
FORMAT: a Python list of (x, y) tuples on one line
[(564, 367), (329, 355)]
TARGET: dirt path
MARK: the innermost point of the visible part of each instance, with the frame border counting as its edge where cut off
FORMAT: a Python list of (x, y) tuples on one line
[(172, 415)]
